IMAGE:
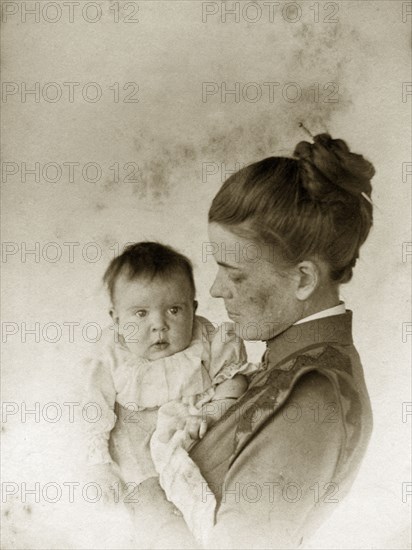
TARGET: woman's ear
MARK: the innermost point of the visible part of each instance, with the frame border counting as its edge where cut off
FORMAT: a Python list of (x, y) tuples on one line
[(308, 279)]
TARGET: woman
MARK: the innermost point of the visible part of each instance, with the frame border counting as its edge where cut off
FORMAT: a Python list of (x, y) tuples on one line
[(286, 233)]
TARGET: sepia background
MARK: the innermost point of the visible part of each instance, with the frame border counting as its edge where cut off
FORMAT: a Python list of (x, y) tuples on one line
[(138, 112)]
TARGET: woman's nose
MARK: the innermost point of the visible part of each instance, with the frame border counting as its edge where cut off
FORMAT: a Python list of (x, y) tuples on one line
[(217, 290), (214, 289)]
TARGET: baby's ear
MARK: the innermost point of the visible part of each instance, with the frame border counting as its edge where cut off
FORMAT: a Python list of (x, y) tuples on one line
[(113, 315)]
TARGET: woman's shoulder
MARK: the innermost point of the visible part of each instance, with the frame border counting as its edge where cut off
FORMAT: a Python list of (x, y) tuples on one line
[(315, 402), (318, 409), (314, 385), (322, 368), (314, 389), (333, 380)]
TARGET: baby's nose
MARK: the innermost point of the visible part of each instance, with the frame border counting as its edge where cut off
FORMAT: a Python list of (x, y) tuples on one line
[(159, 324)]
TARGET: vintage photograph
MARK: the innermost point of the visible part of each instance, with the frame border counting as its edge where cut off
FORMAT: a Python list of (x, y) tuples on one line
[(206, 274)]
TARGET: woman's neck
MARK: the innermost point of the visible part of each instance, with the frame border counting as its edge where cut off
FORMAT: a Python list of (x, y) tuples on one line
[(325, 298)]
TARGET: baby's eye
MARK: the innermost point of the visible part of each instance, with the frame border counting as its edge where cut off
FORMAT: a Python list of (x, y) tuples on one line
[(141, 313), (174, 310)]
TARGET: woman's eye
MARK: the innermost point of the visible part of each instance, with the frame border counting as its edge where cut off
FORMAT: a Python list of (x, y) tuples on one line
[(174, 310), (236, 278), (141, 313)]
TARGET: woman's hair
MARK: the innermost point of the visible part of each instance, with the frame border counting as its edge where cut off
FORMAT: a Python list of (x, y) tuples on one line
[(313, 205), (148, 260)]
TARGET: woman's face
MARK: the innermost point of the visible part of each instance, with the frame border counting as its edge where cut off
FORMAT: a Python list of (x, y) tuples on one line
[(259, 293)]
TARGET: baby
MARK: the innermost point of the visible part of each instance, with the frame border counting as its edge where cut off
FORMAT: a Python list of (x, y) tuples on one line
[(159, 355)]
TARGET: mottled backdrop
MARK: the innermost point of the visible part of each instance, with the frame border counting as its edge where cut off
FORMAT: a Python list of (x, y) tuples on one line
[(120, 122)]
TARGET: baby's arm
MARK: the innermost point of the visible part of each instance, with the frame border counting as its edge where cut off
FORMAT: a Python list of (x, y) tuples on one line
[(228, 357), (225, 395), (100, 395), (100, 391)]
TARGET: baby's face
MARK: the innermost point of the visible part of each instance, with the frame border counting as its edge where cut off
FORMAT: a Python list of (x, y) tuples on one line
[(155, 316)]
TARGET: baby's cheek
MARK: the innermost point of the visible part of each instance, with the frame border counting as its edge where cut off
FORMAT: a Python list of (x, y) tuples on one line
[(185, 331), (189, 330)]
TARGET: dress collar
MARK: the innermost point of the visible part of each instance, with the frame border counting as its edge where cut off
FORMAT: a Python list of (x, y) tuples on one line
[(335, 310), (334, 330)]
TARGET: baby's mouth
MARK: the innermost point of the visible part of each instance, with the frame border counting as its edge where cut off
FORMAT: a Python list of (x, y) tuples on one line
[(160, 345)]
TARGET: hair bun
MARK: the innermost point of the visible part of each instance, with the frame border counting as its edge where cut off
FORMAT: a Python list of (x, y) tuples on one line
[(329, 162)]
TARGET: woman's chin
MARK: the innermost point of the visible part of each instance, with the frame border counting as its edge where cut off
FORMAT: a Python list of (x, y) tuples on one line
[(246, 330), (255, 330)]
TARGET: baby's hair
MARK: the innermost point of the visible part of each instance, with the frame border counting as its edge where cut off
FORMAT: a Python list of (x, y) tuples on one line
[(148, 260), (313, 205)]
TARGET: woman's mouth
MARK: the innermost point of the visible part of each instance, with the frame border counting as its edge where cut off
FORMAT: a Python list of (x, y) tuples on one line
[(232, 314)]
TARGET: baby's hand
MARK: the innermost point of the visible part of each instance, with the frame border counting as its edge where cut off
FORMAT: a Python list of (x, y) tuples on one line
[(196, 426), (231, 389), (109, 482)]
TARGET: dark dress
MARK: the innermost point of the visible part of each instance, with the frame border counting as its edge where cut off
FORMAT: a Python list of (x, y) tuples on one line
[(284, 456)]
